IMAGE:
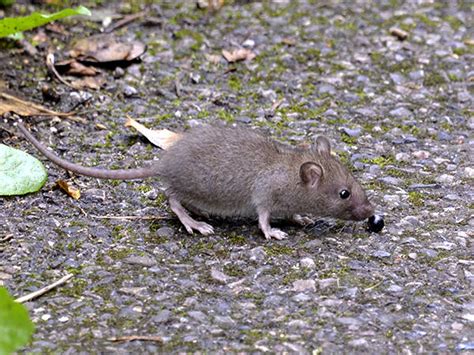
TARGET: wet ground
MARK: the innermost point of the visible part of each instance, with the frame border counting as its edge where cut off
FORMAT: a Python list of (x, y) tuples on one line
[(398, 111)]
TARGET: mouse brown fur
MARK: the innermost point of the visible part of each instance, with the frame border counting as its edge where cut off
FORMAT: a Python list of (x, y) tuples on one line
[(231, 172)]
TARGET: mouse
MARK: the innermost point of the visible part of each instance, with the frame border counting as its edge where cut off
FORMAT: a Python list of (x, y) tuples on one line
[(237, 172)]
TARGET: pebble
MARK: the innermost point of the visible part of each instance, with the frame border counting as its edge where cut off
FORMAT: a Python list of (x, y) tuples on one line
[(468, 172), (140, 260), (304, 285), (401, 112), (327, 283), (381, 254), (129, 91), (165, 232), (307, 263), (219, 276), (445, 179)]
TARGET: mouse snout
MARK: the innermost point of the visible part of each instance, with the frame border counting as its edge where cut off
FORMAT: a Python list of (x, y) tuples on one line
[(363, 211)]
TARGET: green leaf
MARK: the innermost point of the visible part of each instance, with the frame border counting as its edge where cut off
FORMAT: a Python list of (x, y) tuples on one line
[(16, 327), (20, 173), (12, 25)]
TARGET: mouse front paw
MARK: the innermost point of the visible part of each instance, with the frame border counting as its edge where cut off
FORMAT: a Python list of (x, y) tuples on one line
[(204, 228), (275, 234)]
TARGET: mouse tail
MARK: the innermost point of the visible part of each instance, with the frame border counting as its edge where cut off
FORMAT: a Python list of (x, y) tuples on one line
[(120, 174)]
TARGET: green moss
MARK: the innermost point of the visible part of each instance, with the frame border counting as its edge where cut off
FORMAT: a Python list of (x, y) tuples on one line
[(433, 79), (119, 254), (426, 20), (144, 188), (237, 239), (416, 198), (278, 249), (454, 22), (234, 83), (225, 116), (233, 270), (75, 288), (381, 161), (349, 140)]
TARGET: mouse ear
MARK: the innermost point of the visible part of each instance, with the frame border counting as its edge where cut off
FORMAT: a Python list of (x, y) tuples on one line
[(322, 146), (311, 173)]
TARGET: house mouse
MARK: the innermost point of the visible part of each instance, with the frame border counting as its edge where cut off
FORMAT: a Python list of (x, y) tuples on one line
[(236, 172)]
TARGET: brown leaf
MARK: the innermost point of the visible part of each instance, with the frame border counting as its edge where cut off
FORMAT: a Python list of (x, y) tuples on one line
[(162, 138), (70, 190), (88, 82), (10, 103), (105, 49), (73, 67), (238, 55), (399, 33), (213, 58)]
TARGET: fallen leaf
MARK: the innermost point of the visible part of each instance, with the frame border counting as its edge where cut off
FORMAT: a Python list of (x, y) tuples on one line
[(213, 58), (106, 48), (88, 82), (238, 55), (399, 33), (10, 103), (163, 138), (288, 41), (73, 67), (69, 189), (20, 172)]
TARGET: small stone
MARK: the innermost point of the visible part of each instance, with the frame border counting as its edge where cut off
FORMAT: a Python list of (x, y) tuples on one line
[(395, 289), (443, 245), (445, 179), (390, 180), (469, 172), (258, 254), (348, 321), (197, 315), (381, 254), (307, 263), (444, 136), (402, 157), (244, 119), (224, 321), (63, 319), (165, 232), (359, 343), (140, 260), (304, 285), (417, 74), (219, 276), (326, 89), (162, 317), (351, 132), (401, 112), (301, 297), (421, 154), (248, 43), (326, 283), (129, 91), (195, 78)]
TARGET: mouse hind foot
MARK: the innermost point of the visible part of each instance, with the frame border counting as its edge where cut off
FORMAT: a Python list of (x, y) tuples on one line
[(188, 222)]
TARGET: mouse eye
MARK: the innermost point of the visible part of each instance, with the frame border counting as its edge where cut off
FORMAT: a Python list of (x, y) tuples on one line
[(344, 194)]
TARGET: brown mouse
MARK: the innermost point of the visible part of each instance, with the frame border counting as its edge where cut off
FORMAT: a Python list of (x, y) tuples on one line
[(231, 172)]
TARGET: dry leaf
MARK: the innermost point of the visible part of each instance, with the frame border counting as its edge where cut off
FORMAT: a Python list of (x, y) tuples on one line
[(105, 49), (163, 138), (213, 58), (10, 103), (238, 55), (73, 67), (399, 33), (88, 82), (288, 41), (70, 190)]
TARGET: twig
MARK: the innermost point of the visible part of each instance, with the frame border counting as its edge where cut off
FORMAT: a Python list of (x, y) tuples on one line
[(125, 21), (130, 217), (52, 69), (137, 337), (374, 286), (6, 238), (45, 289)]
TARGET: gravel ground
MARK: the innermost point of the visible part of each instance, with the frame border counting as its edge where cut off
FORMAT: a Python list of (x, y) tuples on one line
[(400, 112)]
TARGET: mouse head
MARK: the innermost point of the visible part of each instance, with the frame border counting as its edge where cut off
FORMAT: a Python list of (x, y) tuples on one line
[(330, 189)]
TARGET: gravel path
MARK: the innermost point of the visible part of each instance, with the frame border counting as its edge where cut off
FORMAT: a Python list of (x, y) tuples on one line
[(399, 111)]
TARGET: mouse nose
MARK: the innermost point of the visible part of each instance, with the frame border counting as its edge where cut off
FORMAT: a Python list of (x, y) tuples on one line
[(363, 211)]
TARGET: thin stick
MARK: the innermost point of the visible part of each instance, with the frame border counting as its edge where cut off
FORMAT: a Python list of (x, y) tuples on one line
[(45, 289), (130, 217), (374, 286), (6, 238), (137, 337), (52, 69)]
